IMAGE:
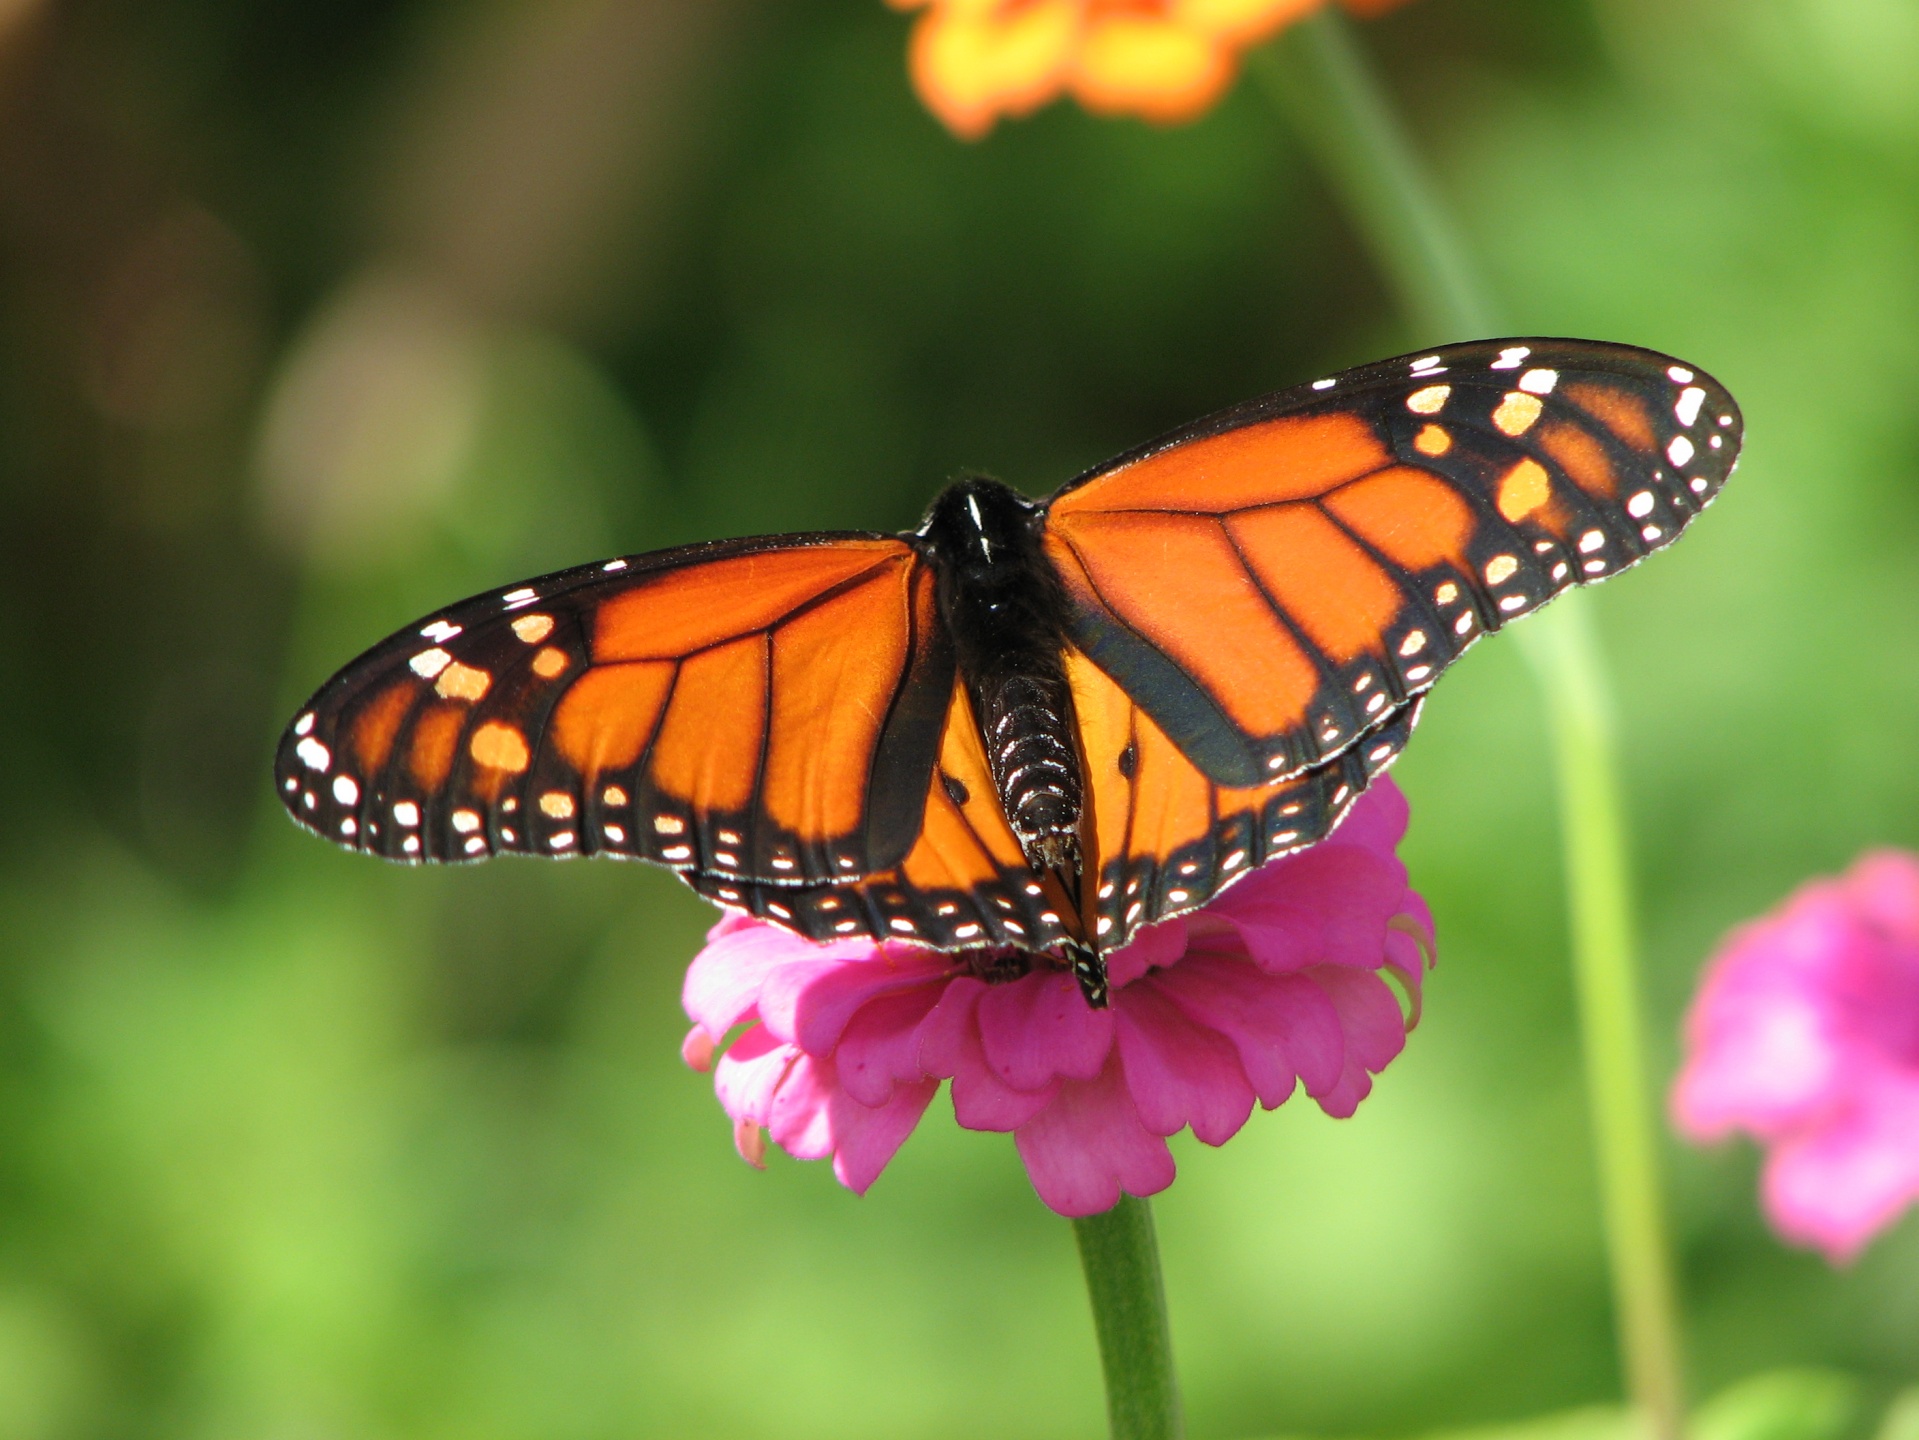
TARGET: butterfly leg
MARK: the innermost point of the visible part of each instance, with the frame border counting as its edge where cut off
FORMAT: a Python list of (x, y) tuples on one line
[(1089, 968)]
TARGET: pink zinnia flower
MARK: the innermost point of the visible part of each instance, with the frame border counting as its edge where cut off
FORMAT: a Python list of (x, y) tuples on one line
[(1277, 982), (1805, 1035)]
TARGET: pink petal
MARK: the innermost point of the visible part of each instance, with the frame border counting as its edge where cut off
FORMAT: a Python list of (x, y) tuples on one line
[(1284, 1027), (950, 1046), (866, 1139), (1179, 1072), (1884, 886), (1325, 906), (1375, 1031), (1764, 1053), (724, 981), (1154, 946), (698, 1050), (1412, 954), (1088, 1146), (750, 1072), (810, 1004), (1841, 1183), (880, 1046), (1039, 1027), (1377, 820), (801, 1117)]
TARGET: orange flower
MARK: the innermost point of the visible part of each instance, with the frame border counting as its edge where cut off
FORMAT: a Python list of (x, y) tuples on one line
[(1163, 60)]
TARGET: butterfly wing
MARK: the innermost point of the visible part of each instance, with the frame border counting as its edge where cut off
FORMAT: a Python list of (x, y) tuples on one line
[(1259, 599), (1163, 837), (759, 712), (963, 883)]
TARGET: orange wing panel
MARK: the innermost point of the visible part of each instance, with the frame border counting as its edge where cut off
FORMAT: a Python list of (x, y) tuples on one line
[(1330, 587), (1177, 580), (673, 614), (708, 753), (1297, 458), (435, 735), (1582, 457), (966, 839), (608, 714), (1412, 517), (1620, 411), (377, 726), (835, 668)]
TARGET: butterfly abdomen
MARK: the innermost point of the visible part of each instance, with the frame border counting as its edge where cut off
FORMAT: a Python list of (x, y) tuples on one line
[(1006, 612)]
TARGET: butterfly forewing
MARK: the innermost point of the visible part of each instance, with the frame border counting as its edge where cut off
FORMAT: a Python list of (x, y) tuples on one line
[(1272, 582), (760, 711)]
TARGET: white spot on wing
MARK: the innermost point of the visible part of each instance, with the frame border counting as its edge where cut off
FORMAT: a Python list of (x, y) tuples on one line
[(1324, 384), (1686, 407), (1512, 357), (1680, 375), (1640, 505), (440, 631), (304, 725), (429, 663), (346, 790), (313, 754), (614, 565), (1680, 450), (1539, 382)]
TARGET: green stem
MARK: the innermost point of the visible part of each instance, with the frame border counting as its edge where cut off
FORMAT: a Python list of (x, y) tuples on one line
[(1322, 77), (1121, 1260), (1330, 93)]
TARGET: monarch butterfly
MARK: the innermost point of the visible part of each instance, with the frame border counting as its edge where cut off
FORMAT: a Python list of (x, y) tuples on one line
[(1026, 729)]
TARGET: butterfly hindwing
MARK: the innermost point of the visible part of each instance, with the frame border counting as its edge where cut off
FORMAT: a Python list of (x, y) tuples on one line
[(1272, 583), (1162, 837), (964, 883), (752, 711)]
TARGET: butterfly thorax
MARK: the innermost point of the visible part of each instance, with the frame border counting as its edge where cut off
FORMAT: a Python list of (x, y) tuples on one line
[(1004, 607)]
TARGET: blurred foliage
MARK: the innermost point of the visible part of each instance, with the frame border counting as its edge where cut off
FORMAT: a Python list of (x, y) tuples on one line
[(313, 317)]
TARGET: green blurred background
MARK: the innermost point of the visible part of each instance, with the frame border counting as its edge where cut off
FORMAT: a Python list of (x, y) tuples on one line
[(314, 316)]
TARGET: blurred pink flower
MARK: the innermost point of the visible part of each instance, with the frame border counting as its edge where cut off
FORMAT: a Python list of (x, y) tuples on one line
[(1805, 1035), (1278, 981)]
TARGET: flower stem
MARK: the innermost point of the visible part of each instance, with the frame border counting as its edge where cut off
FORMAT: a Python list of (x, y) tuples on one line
[(1121, 1258), (1320, 74)]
